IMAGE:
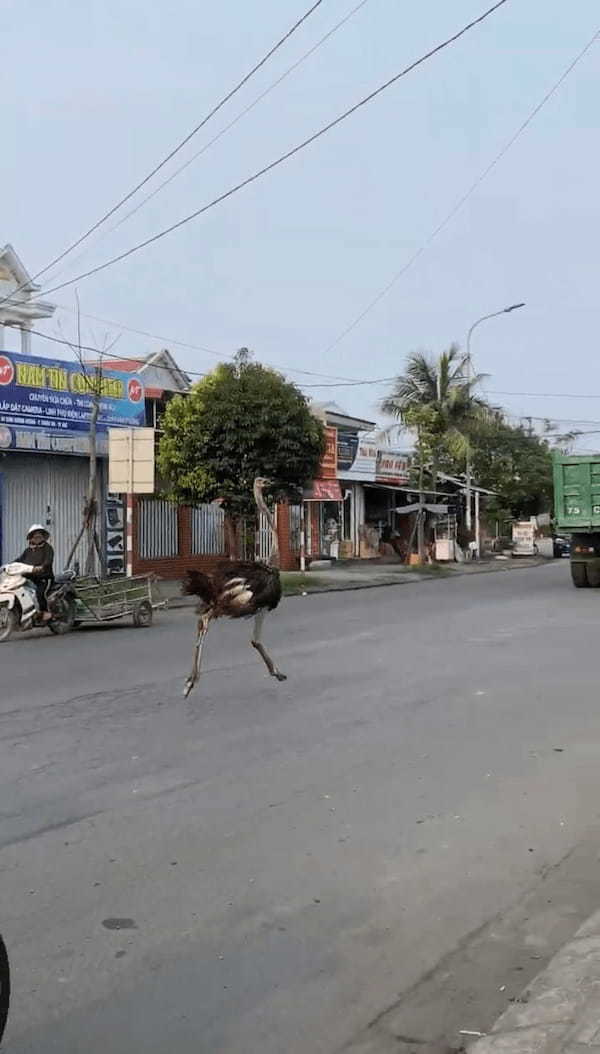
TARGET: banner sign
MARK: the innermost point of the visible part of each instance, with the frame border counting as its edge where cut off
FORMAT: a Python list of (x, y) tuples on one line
[(36, 441), (53, 396), (328, 469), (523, 536), (393, 467), (347, 444), (363, 466), (324, 490), (115, 535)]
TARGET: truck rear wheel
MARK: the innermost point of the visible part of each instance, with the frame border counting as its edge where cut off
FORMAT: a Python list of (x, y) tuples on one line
[(593, 575), (579, 574)]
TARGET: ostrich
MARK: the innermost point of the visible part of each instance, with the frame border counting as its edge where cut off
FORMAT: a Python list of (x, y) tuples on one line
[(238, 589)]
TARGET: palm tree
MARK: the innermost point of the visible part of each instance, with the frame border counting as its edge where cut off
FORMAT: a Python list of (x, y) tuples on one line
[(438, 400)]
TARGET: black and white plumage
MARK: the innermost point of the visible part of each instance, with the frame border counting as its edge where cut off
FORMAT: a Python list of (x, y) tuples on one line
[(238, 589)]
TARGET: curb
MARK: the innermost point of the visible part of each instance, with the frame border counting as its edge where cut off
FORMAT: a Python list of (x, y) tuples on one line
[(404, 579), (560, 1009)]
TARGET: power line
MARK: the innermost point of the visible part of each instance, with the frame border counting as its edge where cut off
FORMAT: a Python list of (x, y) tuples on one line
[(462, 201), (548, 395), (143, 362), (167, 341), (283, 157), (73, 344), (551, 418), (174, 341), (342, 384), (211, 142), (351, 384), (179, 145)]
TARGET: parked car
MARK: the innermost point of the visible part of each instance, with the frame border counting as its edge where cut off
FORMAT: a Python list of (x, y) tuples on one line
[(561, 546)]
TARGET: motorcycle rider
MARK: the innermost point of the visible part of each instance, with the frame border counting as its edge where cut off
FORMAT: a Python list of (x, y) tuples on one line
[(40, 554)]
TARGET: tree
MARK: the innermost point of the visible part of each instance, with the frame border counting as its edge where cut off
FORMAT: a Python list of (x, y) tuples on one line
[(240, 422), (435, 398), (514, 464)]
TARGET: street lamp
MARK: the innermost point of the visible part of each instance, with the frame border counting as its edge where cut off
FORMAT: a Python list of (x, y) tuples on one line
[(484, 318)]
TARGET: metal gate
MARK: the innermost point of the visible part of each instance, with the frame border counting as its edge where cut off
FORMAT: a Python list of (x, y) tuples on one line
[(43, 489), (263, 538), (157, 529), (295, 513), (208, 530), (254, 538)]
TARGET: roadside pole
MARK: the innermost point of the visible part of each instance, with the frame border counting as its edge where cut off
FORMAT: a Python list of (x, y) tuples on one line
[(302, 536), (468, 364)]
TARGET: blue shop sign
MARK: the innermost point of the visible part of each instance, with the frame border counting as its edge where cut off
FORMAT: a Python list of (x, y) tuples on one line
[(52, 396)]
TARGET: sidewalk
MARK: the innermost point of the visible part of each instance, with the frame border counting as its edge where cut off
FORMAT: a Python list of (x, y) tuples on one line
[(559, 1011), (362, 574)]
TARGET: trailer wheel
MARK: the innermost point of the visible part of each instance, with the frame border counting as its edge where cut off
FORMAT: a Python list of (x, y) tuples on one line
[(579, 574), (142, 615), (63, 617)]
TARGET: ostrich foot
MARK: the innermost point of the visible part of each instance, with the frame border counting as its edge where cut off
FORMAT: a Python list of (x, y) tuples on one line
[(271, 667)]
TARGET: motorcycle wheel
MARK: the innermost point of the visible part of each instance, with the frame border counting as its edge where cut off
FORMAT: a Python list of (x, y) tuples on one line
[(4, 987), (9, 621), (64, 617)]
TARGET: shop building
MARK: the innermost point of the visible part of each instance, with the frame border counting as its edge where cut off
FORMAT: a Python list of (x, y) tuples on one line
[(349, 508), (45, 408), (333, 505)]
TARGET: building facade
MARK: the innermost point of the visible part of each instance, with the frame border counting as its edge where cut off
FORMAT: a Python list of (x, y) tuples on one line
[(45, 409)]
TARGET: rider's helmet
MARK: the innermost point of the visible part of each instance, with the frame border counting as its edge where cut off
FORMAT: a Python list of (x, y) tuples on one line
[(38, 528)]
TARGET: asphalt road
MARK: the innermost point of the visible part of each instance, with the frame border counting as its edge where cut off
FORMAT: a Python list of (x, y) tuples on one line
[(298, 868)]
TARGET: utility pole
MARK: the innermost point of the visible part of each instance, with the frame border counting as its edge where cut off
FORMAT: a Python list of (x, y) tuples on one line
[(469, 479), (89, 527), (421, 512)]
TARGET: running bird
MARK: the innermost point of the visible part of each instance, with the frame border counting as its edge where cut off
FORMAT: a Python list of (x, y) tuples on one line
[(238, 589)]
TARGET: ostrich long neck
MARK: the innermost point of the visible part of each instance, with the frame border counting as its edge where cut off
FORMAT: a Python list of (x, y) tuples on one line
[(262, 506)]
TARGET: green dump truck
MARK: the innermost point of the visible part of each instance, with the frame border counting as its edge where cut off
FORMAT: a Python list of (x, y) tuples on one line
[(577, 512)]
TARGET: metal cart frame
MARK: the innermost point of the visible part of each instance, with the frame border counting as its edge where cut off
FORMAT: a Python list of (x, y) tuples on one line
[(110, 599)]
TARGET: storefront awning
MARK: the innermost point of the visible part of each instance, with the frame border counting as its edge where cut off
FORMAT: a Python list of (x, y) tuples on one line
[(439, 510), (408, 490), (324, 490)]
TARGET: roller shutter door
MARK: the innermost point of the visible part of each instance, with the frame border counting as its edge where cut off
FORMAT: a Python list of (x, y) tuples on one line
[(48, 490)]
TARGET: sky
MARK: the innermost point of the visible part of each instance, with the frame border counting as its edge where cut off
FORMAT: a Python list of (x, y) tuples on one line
[(96, 93)]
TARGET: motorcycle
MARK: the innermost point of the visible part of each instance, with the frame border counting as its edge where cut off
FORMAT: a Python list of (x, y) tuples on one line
[(19, 606)]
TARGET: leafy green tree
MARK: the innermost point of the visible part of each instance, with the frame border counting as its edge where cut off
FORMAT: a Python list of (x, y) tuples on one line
[(241, 421), (517, 466)]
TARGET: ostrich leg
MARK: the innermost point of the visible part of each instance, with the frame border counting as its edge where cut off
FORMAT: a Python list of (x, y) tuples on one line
[(256, 643), (203, 624)]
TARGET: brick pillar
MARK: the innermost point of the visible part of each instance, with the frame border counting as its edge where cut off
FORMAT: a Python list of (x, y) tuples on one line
[(287, 558), (184, 531), (315, 545)]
